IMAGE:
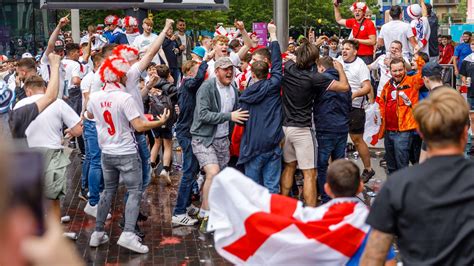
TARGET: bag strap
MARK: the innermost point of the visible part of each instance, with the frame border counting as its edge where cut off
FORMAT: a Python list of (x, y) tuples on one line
[(360, 26)]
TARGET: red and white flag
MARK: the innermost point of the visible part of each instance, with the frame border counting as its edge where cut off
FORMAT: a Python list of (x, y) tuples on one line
[(252, 226)]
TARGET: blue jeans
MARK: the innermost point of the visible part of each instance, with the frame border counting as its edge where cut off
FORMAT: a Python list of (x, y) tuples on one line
[(190, 170), (127, 167), (397, 149), (329, 145), (145, 156), (265, 169), (91, 168)]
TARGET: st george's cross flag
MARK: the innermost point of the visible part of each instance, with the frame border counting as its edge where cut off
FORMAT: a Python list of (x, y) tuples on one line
[(253, 227)]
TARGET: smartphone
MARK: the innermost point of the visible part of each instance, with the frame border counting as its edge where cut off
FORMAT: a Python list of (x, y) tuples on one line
[(26, 182)]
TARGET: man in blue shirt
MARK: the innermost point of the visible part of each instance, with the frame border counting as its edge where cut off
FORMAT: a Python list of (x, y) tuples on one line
[(462, 50)]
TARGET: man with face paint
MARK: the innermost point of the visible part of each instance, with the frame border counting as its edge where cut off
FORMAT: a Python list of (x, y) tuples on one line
[(363, 30), (397, 100)]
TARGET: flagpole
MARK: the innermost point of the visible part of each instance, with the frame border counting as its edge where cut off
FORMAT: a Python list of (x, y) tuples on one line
[(281, 18)]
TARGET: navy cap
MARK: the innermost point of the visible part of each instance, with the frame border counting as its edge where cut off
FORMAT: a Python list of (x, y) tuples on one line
[(431, 69)]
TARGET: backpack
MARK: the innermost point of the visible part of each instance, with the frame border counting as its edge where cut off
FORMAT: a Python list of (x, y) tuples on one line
[(158, 103)]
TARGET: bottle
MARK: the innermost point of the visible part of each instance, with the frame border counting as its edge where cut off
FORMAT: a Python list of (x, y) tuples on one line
[(468, 82)]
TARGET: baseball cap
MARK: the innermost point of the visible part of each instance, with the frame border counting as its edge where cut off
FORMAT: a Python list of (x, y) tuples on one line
[(26, 55), (223, 62), (200, 51), (431, 69)]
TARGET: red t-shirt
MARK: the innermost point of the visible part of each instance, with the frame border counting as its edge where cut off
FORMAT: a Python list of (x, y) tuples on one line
[(366, 30), (391, 118)]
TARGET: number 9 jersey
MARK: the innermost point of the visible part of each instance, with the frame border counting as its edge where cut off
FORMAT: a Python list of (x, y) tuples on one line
[(113, 109)]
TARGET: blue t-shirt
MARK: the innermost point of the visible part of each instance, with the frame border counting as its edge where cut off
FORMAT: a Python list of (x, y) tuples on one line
[(355, 259), (461, 51)]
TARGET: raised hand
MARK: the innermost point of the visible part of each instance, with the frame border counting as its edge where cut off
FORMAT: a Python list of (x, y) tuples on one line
[(271, 27), (64, 21), (239, 25), (54, 59)]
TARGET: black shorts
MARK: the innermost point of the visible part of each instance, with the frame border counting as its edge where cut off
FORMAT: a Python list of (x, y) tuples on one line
[(356, 121), (368, 59), (162, 133)]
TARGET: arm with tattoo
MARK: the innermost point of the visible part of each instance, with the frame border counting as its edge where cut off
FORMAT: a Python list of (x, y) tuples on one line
[(375, 252)]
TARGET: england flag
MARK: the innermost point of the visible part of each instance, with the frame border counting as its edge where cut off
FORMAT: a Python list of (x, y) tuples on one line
[(253, 227)]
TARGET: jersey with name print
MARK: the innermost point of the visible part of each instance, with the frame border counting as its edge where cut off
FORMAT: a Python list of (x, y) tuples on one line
[(113, 109)]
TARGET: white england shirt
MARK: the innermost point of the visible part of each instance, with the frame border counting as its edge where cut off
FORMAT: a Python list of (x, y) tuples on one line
[(113, 109)]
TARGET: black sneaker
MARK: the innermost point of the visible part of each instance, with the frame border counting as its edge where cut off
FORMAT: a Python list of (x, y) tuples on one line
[(367, 175), (142, 217), (383, 163), (83, 195)]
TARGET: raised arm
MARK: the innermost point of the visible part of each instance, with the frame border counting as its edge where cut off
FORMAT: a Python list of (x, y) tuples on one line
[(53, 85), (337, 14), (54, 36), (154, 47), (245, 37), (276, 71), (424, 9)]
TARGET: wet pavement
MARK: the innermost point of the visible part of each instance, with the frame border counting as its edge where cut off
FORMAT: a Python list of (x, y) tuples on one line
[(168, 245)]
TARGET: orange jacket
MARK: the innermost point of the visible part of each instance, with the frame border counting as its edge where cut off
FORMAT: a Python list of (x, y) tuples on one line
[(410, 85)]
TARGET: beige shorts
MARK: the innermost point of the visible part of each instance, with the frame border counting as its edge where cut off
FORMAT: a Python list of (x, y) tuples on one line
[(301, 146)]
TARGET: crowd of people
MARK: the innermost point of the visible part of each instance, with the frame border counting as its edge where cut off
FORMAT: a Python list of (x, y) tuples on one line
[(126, 97)]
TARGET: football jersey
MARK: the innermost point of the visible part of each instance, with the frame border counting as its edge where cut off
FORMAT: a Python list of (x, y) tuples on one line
[(113, 109)]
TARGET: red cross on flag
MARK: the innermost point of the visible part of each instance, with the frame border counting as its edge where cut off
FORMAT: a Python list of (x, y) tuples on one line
[(252, 226)]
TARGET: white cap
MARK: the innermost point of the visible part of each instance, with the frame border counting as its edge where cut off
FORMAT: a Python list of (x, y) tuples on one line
[(414, 11), (27, 55)]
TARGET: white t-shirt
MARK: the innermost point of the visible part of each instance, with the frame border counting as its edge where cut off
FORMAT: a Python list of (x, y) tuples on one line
[(46, 130), (396, 30), (142, 42), (182, 38), (384, 71), (132, 86), (45, 73), (422, 28), (73, 69), (357, 72), (227, 96), (113, 109)]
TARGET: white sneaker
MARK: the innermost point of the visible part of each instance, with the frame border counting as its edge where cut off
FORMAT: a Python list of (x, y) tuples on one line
[(192, 210), (131, 241), (200, 181), (98, 238), (166, 175), (92, 211), (183, 219)]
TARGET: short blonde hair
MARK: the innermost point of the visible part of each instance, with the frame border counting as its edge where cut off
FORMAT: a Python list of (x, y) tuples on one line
[(442, 117), (188, 66), (148, 21)]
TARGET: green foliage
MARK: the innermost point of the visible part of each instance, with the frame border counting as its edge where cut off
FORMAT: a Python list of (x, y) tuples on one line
[(303, 14), (462, 9)]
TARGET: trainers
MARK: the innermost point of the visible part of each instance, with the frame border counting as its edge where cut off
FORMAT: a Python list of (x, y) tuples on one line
[(203, 226), (138, 231), (83, 195), (192, 210), (132, 241), (92, 211), (183, 219), (98, 238), (367, 175), (166, 175)]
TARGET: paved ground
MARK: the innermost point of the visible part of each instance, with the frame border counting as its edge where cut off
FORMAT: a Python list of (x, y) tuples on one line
[(168, 246)]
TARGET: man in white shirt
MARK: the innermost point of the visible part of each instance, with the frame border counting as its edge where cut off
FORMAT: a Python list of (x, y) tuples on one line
[(131, 28), (396, 30), (185, 43), (420, 26), (39, 118), (358, 75), (383, 63), (132, 87), (143, 41), (117, 114)]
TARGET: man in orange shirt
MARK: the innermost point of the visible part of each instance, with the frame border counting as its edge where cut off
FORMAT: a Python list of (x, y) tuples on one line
[(399, 96)]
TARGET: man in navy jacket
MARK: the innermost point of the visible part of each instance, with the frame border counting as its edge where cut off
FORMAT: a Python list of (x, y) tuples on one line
[(260, 150)]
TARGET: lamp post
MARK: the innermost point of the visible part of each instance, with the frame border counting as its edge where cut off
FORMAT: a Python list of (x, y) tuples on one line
[(281, 18)]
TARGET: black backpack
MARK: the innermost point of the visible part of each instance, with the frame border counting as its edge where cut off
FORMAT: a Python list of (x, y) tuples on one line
[(158, 103)]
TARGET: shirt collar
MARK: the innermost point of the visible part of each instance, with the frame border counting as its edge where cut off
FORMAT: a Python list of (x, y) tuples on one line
[(220, 85)]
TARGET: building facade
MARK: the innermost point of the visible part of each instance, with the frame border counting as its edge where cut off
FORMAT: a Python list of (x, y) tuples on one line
[(24, 27)]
